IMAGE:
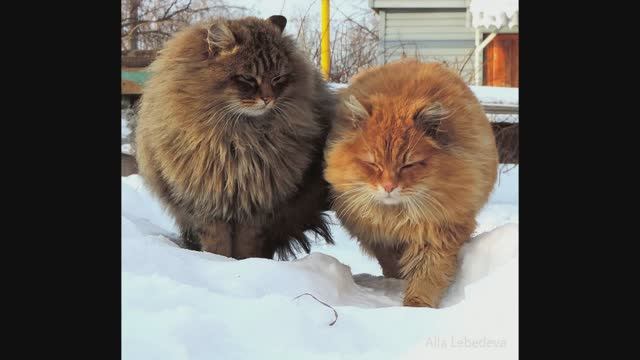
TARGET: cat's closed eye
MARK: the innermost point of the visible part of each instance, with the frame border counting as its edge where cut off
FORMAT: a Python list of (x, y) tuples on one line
[(371, 165), (414, 165), (247, 79), (279, 80)]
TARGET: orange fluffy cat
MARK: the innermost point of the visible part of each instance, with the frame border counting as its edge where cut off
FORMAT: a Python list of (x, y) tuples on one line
[(411, 160)]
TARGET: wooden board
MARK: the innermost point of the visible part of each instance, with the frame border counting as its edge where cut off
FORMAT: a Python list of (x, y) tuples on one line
[(128, 87), (501, 61), (132, 80)]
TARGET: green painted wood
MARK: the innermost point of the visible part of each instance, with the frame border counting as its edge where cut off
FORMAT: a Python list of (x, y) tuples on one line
[(139, 77)]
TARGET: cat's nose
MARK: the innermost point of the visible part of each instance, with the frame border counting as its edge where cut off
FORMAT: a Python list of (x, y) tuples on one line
[(267, 99), (389, 186)]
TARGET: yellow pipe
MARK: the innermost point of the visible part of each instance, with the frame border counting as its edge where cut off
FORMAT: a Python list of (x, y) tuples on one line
[(325, 54)]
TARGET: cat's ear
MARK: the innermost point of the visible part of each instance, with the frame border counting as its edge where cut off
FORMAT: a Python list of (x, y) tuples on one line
[(279, 21), (220, 38), (429, 119), (358, 111)]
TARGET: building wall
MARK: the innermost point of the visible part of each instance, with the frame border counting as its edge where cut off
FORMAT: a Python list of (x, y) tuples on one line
[(406, 4), (430, 30), (428, 34)]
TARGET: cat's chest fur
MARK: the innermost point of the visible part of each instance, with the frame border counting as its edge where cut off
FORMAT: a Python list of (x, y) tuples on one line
[(237, 175), (386, 227)]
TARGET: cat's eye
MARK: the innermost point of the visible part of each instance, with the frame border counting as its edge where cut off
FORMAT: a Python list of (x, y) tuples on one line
[(279, 79), (414, 164), (247, 79), (371, 165)]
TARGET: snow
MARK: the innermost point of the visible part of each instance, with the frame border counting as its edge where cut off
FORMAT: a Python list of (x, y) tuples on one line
[(496, 95), (126, 149), (125, 132), (336, 86), (182, 304), (494, 14), (124, 129)]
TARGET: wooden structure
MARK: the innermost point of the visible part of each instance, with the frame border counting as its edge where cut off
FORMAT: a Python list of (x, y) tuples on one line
[(128, 165), (501, 61), (133, 74)]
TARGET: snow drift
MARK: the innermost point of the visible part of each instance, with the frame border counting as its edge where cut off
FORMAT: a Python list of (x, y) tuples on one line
[(182, 304)]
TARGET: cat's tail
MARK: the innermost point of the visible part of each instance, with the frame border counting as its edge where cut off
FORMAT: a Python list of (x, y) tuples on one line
[(300, 241)]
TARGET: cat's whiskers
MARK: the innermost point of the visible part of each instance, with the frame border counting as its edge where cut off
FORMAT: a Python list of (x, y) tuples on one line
[(361, 202), (415, 212), (226, 111), (283, 113), (287, 122), (355, 199), (354, 188), (434, 201), (433, 208), (238, 116), (287, 109), (213, 117)]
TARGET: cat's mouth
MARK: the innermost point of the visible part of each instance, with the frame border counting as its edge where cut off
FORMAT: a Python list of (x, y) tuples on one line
[(256, 108), (388, 198)]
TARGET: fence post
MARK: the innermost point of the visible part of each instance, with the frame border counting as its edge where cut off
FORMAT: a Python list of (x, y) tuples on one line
[(325, 54)]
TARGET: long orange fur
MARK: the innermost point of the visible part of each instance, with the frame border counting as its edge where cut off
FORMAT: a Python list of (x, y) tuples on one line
[(419, 129)]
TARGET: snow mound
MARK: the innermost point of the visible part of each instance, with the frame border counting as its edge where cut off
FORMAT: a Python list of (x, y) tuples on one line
[(182, 304)]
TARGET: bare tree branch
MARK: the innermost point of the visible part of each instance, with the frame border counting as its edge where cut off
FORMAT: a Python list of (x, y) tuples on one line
[(147, 24)]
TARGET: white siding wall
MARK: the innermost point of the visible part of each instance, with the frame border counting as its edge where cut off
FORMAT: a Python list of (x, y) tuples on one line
[(418, 3), (429, 34)]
